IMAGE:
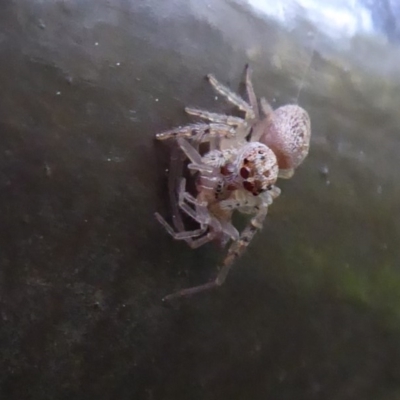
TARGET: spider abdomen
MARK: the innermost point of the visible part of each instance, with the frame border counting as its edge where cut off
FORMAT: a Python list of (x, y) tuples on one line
[(287, 133)]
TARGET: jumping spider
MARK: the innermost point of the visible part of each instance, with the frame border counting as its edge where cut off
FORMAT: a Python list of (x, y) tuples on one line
[(244, 160)]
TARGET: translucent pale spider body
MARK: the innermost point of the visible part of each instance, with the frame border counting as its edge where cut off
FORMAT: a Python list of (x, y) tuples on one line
[(245, 157)]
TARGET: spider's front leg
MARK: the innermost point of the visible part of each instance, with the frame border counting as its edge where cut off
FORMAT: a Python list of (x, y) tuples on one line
[(176, 166), (181, 235), (200, 214), (236, 249)]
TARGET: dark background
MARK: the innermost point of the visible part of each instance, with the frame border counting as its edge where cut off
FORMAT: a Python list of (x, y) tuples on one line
[(312, 311)]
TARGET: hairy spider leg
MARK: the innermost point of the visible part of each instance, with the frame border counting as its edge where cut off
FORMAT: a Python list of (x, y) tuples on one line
[(202, 130), (236, 249), (232, 97), (251, 110), (174, 179), (249, 204), (214, 117)]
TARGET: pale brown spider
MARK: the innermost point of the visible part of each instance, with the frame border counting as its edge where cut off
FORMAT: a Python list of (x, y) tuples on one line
[(239, 171)]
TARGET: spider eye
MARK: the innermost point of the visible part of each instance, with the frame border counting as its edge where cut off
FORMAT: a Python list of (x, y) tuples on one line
[(244, 173), (248, 186)]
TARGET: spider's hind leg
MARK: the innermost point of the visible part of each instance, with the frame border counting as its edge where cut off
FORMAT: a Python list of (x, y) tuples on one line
[(251, 94), (214, 117), (231, 96), (236, 249)]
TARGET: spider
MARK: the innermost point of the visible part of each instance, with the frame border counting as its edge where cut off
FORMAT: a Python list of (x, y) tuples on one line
[(245, 158)]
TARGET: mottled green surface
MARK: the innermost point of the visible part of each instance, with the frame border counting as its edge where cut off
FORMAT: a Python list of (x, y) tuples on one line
[(312, 311)]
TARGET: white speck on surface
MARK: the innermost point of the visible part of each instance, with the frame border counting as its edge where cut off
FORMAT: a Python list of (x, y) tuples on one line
[(47, 169), (108, 159), (379, 189), (166, 169), (216, 97), (328, 183), (96, 44), (156, 100), (118, 64), (58, 93), (324, 170)]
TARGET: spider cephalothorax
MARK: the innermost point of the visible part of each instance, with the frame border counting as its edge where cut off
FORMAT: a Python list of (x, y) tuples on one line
[(257, 168)]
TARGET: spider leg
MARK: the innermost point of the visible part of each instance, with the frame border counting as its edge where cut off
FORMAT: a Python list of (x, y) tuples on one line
[(247, 203), (176, 191), (266, 107), (175, 172), (275, 192), (200, 215), (196, 243), (230, 230), (194, 156), (214, 117), (183, 235), (286, 173), (232, 97), (197, 163), (215, 143), (188, 236), (236, 249), (195, 131), (251, 94), (259, 127)]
